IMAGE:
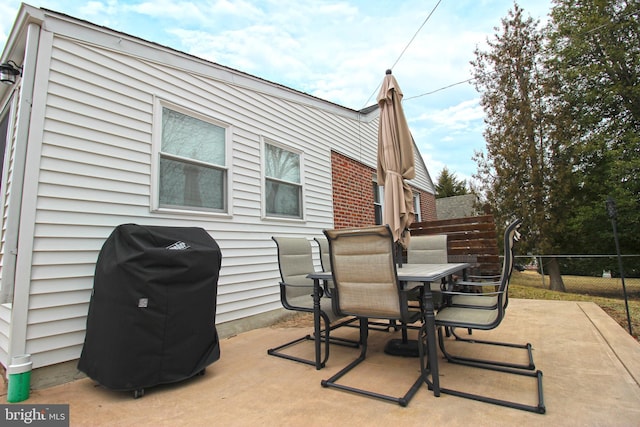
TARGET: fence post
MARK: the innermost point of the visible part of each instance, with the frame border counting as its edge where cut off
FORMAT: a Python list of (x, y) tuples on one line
[(542, 272), (611, 211)]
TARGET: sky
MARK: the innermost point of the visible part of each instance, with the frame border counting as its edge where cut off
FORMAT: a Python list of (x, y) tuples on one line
[(337, 50)]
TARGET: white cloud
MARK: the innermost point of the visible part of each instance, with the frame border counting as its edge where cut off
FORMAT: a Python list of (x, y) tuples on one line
[(198, 13), (460, 116)]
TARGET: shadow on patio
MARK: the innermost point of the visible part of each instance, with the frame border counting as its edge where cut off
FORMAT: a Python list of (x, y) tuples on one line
[(591, 372)]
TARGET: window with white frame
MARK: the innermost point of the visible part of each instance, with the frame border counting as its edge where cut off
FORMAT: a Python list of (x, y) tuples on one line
[(192, 170), (283, 184), (378, 201), (416, 207)]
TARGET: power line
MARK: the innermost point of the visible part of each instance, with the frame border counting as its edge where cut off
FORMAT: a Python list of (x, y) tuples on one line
[(439, 89), (592, 30), (405, 49), (414, 36)]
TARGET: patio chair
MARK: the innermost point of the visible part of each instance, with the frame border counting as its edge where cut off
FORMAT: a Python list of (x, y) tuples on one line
[(295, 262), (323, 247), (483, 318), (481, 299), (366, 286), (325, 262), (429, 249), (489, 299)]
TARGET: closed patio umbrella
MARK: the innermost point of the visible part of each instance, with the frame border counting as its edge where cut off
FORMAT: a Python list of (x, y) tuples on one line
[(395, 165), (395, 160)]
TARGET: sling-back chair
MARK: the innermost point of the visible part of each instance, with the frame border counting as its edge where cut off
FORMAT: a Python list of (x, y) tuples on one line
[(484, 318), (366, 286), (325, 262), (429, 249), (488, 299), (295, 262)]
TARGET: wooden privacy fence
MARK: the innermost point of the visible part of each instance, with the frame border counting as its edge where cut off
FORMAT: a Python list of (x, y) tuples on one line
[(470, 239)]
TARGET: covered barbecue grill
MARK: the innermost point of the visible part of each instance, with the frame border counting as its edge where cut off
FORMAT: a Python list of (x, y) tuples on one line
[(152, 313)]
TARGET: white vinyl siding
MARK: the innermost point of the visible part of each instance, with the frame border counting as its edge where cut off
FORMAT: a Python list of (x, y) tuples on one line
[(6, 266)]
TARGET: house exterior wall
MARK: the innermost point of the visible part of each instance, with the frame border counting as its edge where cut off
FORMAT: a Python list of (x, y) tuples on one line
[(93, 148), (353, 198), (95, 173), (428, 206), (352, 184)]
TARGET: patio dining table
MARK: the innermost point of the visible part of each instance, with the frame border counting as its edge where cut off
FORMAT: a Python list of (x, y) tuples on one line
[(423, 273)]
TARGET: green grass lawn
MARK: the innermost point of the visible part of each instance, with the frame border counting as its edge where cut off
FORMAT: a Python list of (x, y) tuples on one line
[(607, 293)]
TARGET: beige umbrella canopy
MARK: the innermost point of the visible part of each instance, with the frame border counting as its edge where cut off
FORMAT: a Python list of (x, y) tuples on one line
[(395, 160)]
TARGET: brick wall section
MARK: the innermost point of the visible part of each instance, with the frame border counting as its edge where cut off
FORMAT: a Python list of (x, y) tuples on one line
[(427, 205), (353, 194)]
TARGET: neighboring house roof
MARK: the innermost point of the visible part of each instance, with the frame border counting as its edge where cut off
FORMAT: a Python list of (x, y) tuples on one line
[(456, 206)]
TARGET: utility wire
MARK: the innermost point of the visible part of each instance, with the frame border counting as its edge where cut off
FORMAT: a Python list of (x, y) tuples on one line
[(414, 36), (439, 89), (405, 49), (592, 30)]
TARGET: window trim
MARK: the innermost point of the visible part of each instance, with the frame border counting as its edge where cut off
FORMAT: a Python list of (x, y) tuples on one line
[(155, 207), (417, 201), (264, 141), (378, 190)]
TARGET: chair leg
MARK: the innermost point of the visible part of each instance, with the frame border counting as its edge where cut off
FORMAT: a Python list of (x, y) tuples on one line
[(275, 351), (539, 408), (326, 339), (472, 361), (364, 334), (332, 382), (337, 340)]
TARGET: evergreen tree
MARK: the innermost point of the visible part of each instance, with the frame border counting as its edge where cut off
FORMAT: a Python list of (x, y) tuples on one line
[(562, 111), (519, 170), (448, 185)]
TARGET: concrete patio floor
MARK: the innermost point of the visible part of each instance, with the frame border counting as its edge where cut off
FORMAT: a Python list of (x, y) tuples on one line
[(591, 377)]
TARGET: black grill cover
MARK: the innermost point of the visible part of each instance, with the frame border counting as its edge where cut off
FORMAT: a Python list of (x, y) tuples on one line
[(152, 312)]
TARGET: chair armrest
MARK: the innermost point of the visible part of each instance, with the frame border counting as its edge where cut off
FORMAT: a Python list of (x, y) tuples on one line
[(491, 277), (323, 290), (468, 283), (410, 286), (451, 293), (326, 289), (295, 286)]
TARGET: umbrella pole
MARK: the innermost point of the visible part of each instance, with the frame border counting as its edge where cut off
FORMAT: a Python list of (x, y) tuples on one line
[(399, 254)]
